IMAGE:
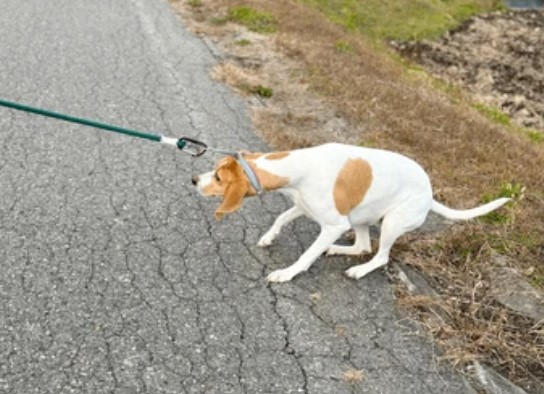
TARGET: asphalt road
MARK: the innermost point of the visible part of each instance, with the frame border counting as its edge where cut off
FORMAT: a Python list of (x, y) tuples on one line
[(114, 276)]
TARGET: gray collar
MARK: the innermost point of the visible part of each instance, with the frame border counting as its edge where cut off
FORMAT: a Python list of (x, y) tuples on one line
[(249, 172)]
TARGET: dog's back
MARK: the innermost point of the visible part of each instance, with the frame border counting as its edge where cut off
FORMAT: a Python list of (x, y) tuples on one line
[(316, 173)]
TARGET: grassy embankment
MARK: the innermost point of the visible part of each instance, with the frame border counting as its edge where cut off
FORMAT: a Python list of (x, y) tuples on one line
[(470, 156)]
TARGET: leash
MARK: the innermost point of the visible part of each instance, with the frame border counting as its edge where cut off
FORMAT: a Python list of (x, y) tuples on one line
[(188, 145), (193, 147)]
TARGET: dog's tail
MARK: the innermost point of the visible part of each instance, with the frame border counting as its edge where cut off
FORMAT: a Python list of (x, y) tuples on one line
[(465, 214)]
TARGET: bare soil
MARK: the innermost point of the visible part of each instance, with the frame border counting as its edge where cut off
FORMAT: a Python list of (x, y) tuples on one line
[(498, 57)]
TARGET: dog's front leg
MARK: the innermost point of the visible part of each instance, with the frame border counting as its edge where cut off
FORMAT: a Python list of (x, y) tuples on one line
[(286, 217), (326, 237)]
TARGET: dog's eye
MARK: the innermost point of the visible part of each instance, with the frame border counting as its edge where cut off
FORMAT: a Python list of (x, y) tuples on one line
[(216, 176)]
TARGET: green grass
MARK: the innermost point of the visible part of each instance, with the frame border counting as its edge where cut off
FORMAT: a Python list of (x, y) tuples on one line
[(260, 22), (262, 91), (243, 42), (343, 47), (493, 114), (537, 281), (535, 135), (402, 19), (513, 190), (496, 115), (195, 3)]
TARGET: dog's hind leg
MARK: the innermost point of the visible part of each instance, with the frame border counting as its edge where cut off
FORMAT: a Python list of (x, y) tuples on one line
[(394, 224), (361, 244), (286, 217), (328, 235)]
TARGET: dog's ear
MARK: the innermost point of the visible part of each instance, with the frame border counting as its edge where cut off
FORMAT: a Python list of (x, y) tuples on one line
[(232, 198), (237, 187)]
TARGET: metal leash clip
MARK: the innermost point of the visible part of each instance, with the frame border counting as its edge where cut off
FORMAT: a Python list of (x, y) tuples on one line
[(191, 146)]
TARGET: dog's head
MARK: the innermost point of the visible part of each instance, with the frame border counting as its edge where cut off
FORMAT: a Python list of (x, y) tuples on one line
[(227, 180)]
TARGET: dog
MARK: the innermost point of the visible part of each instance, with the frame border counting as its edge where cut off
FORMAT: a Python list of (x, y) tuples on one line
[(339, 186)]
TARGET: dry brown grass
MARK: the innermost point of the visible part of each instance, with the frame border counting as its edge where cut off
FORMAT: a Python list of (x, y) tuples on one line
[(465, 154), (353, 376), (465, 320)]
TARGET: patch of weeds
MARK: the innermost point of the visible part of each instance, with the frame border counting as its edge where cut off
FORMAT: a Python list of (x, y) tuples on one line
[(262, 91), (496, 115), (527, 240), (463, 248), (501, 244), (537, 281), (370, 143), (243, 42), (513, 190), (219, 20), (343, 47), (195, 3), (260, 22), (493, 114), (535, 135)]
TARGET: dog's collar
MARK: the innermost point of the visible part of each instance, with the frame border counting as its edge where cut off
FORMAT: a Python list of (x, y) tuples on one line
[(239, 157), (249, 172)]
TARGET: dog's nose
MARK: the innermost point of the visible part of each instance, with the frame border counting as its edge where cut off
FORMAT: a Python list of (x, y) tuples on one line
[(194, 180)]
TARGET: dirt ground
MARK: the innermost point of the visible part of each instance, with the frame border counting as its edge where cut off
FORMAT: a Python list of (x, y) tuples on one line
[(498, 57)]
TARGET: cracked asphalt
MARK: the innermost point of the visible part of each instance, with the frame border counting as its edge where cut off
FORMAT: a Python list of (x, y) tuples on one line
[(114, 276)]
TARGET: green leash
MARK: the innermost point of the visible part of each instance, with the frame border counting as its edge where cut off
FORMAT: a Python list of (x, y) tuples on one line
[(188, 145)]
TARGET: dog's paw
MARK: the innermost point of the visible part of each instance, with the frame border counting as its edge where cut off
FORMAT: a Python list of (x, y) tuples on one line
[(357, 272), (266, 240), (278, 276)]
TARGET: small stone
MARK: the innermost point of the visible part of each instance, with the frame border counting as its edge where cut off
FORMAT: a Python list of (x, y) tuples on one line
[(491, 382), (509, 287)]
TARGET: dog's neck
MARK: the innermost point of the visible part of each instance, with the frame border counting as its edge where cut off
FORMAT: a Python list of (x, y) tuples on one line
[(268, 180), (269, 169)]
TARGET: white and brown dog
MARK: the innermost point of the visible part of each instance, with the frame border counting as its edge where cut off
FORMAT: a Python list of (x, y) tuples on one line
[(340, 187)]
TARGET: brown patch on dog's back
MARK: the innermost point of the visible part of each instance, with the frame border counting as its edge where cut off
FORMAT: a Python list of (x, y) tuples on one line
[(276, 155), (351, 185)]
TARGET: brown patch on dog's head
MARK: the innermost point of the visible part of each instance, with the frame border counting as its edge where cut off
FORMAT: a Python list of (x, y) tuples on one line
[(228, 180), (351, 185)]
